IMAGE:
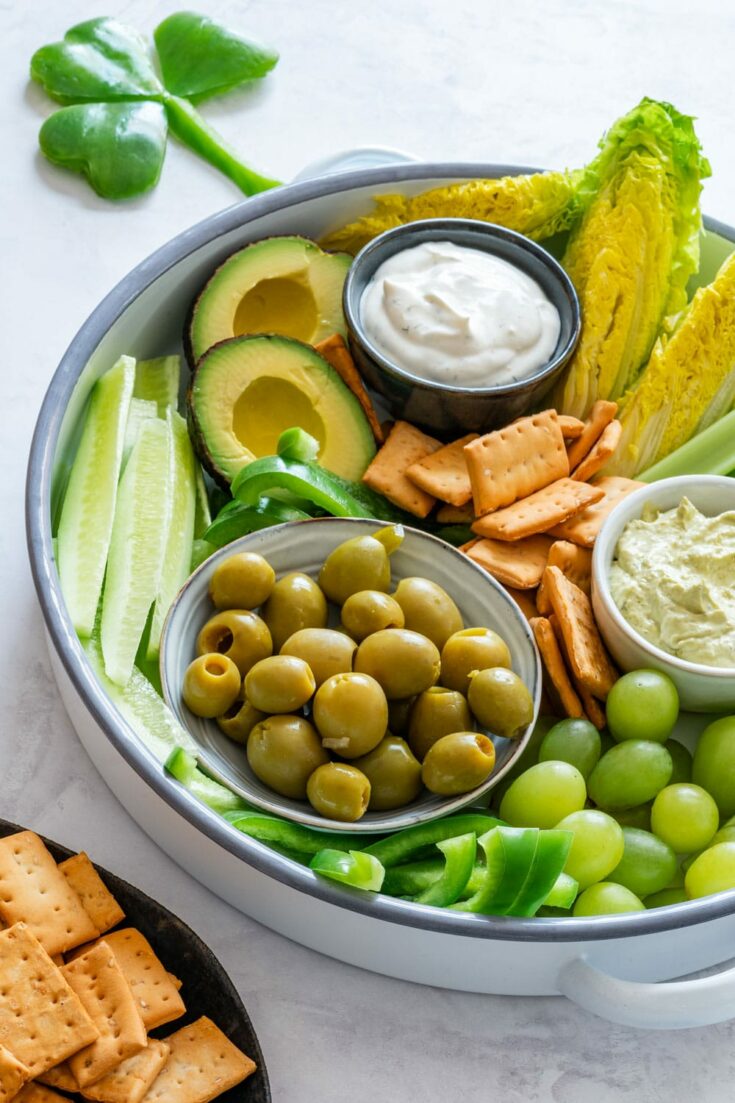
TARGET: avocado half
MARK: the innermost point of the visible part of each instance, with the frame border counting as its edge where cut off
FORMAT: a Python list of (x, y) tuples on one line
[(247, 390), (285, 285)]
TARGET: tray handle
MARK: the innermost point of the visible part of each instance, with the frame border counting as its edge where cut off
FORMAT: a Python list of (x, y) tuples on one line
[(347, 160), (670, 1005)]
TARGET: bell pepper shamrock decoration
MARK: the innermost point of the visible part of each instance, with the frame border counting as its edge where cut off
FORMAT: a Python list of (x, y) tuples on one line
[(118, 109)]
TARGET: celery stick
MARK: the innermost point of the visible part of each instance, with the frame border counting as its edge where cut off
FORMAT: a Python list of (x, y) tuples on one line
[(158, 381), (86, 522), (140, 410), (148, 715), (177, 557), (137, 547), (711, 452)]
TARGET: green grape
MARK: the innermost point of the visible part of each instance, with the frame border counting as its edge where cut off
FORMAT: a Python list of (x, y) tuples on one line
[(684, 816), (606, 898), (527, 757), (630, 773), (642, 705), (648, 864), (713, 871), (543, 795), (714, 763), (640, 816), (575, 741), (682, 760), (597, 846), (665, 897)]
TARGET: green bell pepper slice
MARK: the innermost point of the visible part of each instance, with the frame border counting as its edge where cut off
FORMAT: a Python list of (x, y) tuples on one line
[(406, 844), (551, 854), (563, 892), (303, 478), (459, 854), (297, 444), (354, 867), (292, 836), (509, 855), (236, 519)]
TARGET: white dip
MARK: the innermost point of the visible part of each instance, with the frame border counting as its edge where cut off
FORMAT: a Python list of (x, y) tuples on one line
[(459, 316), (673, 579)]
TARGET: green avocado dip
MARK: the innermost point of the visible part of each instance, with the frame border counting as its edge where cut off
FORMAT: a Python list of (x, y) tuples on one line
[(673, 579)]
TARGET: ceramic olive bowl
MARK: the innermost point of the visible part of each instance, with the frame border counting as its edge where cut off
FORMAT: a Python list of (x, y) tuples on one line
[(303, 547), (451, 411)]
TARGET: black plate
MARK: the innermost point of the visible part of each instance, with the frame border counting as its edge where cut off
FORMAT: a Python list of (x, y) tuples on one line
[(207, 989)]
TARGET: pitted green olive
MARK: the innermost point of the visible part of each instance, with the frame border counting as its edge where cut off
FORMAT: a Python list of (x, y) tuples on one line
[(283, 751), (295, 602), (404, 663), (437, 712), (239, 634), (339, 791), (360, 563), (211, 684), (428, 609), (468, 650), (457, 763), (370, 611), (351, 714), (500, 701), (326, 651), (281, 683), (393, 772), (242, 581)]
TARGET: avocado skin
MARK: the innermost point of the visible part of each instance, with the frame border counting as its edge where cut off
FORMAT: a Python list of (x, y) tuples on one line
[(346, 407)]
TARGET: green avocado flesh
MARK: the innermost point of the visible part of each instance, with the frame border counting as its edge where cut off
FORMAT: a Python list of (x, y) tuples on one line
[(247, 390), (283, 285)]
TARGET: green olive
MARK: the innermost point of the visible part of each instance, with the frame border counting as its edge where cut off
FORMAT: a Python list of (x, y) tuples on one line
[(339, 791), (281, 683), (351, 714), (393, 772), (283, 751), (399, 714), (458, 763), (211, 684), (239, 634), (242, 581), (428, 609), (240, 719), (326, 651), (404, 663), (500, 701), (370, 611), (437, 712), (468, 650), (296, 602), (360, 563)]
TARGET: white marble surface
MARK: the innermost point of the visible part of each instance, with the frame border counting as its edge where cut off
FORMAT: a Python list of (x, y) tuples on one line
[(524, 81)]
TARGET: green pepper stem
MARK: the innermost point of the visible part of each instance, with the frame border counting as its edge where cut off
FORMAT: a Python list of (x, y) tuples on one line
[(191, 129)]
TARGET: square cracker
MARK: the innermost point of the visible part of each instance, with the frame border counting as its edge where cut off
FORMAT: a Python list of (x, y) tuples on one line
[(129, 1082), (539, 511), (520, 565), (97, 900), (203, 1063), (13, 1075), (512, 463), (34, 892), (155, 993), (575, 562), (60, 1076), (335, 352), (593, 710), (100, 984), (42, 1021), (583, 528), (554, 666), (404, 446), (36, 1093), (571, 427), (444, 473), (600, 452), (588, 659), (598, 419)]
